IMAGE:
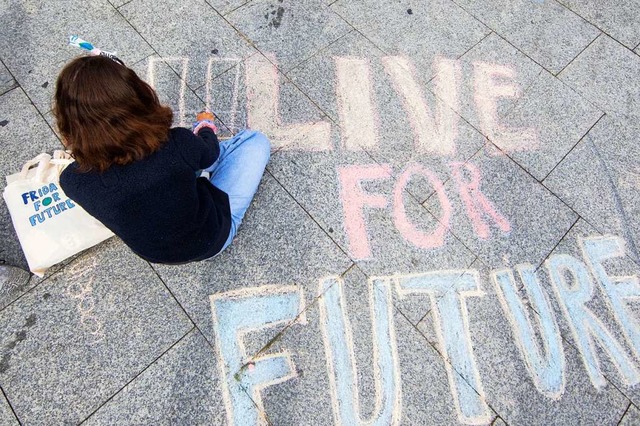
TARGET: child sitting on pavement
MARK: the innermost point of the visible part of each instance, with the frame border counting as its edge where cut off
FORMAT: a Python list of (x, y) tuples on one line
[(139, 176)]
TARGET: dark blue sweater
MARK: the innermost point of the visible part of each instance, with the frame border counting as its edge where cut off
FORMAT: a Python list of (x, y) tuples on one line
[(157, 206)]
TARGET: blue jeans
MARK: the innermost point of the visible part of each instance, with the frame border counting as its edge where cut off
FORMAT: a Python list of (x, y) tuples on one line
[(238, 171)]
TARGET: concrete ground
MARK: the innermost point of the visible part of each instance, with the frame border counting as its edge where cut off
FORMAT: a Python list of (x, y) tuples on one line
[(447, 232)]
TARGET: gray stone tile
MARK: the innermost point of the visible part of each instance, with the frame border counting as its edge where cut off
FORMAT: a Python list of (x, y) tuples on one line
[(429, 31), (559, 118), (631, 417), (291, 31), (600, 178), (118, 3), (408, 370), (490, 80), (544, 30), (498, 422), (278, 243), (13, 283), (181, 387), (619, 21), (6, 415), (597, 304), (516, 219), (7, 81), (190, 32), (19, 122), (33, 42), (79, 337), (507, 370), (254, 94), (606, 73), (224, 7)]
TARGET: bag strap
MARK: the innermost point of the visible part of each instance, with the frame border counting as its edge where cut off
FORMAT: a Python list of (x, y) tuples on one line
[(44, 161), (38, 160)]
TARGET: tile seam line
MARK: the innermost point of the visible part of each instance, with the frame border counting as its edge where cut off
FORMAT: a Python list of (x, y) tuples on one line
[(572, 148), (310, 216), (154, 361), (532, 177), (595, 25), (578, 55), (123, 4), (288, 325), (573, 225), (624, 414), (503, 37), (430, 309), (494, 413), (10, 405), (318, 52), (172, 295), (355, 28)]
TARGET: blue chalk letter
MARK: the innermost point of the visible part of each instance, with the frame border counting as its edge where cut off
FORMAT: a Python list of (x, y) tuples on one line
[(236, 313), (585, 326), (448, 291), (338, 341), (546, 369)]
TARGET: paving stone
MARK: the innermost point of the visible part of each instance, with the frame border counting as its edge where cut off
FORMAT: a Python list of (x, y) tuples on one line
[(516, 220), (118, 3), (34, 37), (493, 78), (290, 30), (544, 30), (13, 283), (599, 304), (181, 387), (421, 32), (24, 135), (224, 7), (421, 371), (606, 74), (619, 21), (6, 415), (631, 417), (508, 381), (276, 238), (559, 117), (6, 80), (599, 179), (79, 337), (190, 32)]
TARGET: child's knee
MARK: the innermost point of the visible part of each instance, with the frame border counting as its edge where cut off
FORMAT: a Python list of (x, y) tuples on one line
[(262, 146)]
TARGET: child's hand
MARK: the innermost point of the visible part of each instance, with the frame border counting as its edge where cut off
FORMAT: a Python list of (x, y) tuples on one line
[(204, 119)]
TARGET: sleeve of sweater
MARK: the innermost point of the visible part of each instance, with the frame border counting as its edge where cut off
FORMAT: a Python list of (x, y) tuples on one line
[(199, 151)]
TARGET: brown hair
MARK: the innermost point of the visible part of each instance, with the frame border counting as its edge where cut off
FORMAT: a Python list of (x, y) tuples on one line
[(107, 115)]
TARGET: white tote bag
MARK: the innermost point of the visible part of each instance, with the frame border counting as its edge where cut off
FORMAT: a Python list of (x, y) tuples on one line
[(50, 226)]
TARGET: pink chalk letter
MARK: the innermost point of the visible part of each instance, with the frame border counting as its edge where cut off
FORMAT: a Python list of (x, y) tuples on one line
[(475, 202), (354, 199), (407, 230)]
